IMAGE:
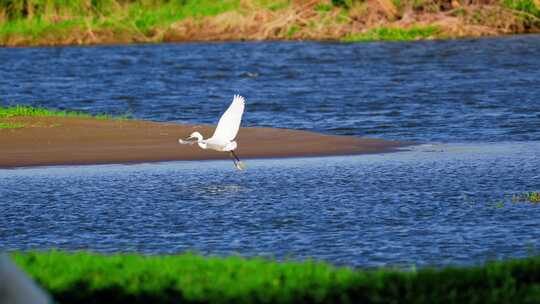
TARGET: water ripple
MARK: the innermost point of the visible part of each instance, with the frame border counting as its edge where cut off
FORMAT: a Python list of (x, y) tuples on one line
[(434, 205), (422, 91)]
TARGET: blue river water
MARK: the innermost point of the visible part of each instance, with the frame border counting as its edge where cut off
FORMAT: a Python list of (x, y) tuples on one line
[(433, 205), (474, 105), (449, 91)]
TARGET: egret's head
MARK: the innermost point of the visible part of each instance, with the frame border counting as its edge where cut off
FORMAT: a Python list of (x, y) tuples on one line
[(195, 135)]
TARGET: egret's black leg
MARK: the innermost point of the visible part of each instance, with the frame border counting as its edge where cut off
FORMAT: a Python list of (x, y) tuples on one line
[(236, 157), (237, 163)]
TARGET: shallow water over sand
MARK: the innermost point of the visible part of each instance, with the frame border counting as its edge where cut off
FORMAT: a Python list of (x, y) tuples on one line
[(433, 205)]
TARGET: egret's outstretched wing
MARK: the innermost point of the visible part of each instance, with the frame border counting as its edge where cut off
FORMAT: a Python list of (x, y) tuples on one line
[(229, 123)]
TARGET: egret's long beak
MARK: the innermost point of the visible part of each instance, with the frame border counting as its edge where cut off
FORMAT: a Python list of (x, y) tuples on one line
[(187, 140)]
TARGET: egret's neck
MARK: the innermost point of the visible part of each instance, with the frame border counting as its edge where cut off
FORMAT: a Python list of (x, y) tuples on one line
[(198, 136), (202, 144), (200, 140)]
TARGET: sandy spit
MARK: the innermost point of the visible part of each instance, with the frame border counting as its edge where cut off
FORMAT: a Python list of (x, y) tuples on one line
[(66, 141)]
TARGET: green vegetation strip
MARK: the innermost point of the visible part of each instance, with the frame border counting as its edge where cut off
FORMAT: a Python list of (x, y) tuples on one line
[(128, 278), (395, 34), (27, 111), (11, 125), (526, 6), (58, 22), (56, 18)]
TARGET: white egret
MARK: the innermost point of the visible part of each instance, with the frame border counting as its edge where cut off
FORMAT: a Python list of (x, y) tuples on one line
[(225, 133)]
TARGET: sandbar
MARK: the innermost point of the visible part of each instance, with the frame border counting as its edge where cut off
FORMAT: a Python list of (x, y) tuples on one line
[(48, 141)]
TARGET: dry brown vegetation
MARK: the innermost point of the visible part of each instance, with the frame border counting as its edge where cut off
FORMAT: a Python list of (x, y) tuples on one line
[(303, 20), (278, 20)]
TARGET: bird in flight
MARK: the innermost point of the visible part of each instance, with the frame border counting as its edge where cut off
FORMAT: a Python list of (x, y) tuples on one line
[(225, 133)]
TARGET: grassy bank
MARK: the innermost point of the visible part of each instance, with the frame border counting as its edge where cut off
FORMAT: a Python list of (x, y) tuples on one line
[(395, 34), (58, 22), (24, 22), (92, 278), (9, 115)]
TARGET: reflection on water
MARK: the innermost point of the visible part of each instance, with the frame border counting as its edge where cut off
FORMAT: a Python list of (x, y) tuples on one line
[(432, 205), (219, 189)]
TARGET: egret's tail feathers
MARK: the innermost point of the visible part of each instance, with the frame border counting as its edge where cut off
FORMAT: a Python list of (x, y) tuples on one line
[(185, 142)]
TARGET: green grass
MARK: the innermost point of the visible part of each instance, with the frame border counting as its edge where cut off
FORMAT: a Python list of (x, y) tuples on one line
[(36, 27), (274, 5), (11, 125), (343, 3), (61, 17), (58, 22), (129, 278), (292, 30), (527, 10), (395, 34), (531, 197), (322, 7), (527, 6), (27, 111)]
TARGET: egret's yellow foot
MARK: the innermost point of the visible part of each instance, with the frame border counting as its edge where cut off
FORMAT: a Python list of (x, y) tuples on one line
[(240, 165)]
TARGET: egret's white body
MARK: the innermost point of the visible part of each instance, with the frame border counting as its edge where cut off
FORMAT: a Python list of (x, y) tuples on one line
[(225, 133)]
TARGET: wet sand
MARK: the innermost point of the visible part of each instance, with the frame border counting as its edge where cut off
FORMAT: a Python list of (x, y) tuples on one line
[(65, 141)]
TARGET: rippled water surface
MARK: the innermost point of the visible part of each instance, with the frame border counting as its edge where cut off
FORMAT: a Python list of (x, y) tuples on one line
[(449, 91), (434, 205), (475, 103)]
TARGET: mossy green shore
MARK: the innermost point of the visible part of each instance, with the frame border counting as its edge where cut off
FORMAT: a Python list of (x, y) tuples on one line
[(7, 114), (128, 278), (28, 111), (61, 22)]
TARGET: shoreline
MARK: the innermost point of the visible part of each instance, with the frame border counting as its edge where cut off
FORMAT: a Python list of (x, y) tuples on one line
[(202, 41), (49, 141), (344, 40)]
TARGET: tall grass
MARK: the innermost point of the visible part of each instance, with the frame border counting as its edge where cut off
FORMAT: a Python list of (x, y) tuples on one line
[(53, 22), (38, 18), (129, 278), (527, 6), (16, 9), (527, 10)]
